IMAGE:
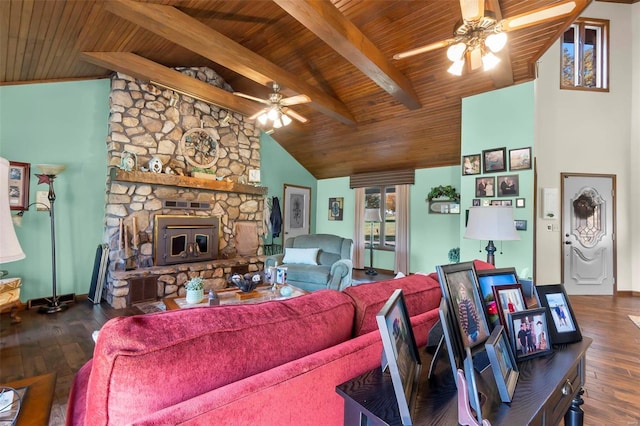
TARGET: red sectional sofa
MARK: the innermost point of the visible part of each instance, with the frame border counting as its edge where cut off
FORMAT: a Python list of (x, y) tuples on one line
[(272, 363)]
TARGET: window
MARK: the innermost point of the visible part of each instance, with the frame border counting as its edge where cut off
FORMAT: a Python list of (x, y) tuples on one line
[(384, 234), (584, 58)]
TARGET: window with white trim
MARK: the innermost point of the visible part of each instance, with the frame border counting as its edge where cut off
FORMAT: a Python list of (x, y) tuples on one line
[(384, 233), (584, 61)]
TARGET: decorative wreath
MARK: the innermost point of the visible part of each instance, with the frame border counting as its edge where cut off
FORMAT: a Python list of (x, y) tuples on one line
[(200, 147), (584, 206)]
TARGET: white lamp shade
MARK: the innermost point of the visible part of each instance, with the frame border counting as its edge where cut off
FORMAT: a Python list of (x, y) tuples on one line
[(372, 215), (496, 41), (10, 249), (51, 169), (493, 223)]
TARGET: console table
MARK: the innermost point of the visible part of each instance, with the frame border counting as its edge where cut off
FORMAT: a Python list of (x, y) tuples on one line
[(548, 388)]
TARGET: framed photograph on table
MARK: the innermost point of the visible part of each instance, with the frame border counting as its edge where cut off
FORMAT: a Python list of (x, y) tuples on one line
[(296, 210), (19, 185), (488, 279), (400, 352), (529, 333), (563, 325), (503, 363), (510, 299), (493, 160)]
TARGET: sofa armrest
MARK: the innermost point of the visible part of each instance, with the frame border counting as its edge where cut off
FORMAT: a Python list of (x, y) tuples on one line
[(341, 274), (273, 260)]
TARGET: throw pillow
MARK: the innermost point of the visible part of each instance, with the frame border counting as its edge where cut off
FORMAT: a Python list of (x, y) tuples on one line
[(304, 256)]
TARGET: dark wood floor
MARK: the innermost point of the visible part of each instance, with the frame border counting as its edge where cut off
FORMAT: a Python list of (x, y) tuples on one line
[(62, 343)]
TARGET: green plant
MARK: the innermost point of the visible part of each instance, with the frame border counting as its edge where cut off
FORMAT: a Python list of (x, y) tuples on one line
[(195, 283), (454, 255), (201, 170), (443, 191)]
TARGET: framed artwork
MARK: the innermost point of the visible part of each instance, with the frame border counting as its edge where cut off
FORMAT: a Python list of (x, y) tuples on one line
[(521, 224), (460, 288), (19, 185), (564, 327), (493, 160), (336, 208), (501, 203), (454, 350), (510, 299), (529, 333), (508, 185), (471, 164), (520, 159), (485, 187), (475, 202), (488, 279), (520, 203), (296, 210), (400, 352), (503, 363)]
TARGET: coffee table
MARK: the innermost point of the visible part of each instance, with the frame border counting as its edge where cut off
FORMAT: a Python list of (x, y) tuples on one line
[(229, 296), (36, 406)]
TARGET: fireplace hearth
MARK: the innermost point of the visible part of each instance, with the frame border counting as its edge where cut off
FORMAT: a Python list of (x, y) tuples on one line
[(185, 239)]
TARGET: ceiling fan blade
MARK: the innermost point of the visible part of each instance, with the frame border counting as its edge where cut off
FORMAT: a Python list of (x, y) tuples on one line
[(472, 10), (254, 116), (291, 113), (294, 100), (253, 98), (538, 16), (423, 49)]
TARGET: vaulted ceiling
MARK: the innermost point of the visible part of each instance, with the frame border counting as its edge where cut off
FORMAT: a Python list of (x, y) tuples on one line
[(368, 112)]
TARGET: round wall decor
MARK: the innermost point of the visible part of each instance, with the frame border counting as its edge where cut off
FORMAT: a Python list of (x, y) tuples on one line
[(200, 147)]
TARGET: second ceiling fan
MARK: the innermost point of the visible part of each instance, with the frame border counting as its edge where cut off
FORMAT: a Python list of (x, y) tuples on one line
[(276, 110), (480, 34)]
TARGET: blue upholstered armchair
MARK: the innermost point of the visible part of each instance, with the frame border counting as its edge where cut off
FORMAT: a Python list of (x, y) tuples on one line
[(316, 262)]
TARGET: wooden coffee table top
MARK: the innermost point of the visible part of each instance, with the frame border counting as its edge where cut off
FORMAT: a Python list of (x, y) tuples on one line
[(36, 406), (228, 297)]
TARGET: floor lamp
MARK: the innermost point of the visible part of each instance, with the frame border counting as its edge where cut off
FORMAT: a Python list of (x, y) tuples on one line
[(491, 223), (48, 175), (371, 216)]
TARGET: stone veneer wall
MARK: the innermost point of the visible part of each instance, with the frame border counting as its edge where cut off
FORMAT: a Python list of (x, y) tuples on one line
[(150, 121)]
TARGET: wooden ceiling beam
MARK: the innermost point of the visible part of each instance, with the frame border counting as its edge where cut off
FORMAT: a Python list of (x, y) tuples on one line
[(324, 20), (182, 29), (146, 70)]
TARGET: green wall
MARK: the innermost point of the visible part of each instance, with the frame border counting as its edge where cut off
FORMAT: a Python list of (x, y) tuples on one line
[(60, 123), (501, 118)]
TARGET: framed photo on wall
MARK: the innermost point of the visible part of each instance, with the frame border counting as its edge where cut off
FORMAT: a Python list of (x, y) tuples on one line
[(336, 208), (296, 210), (19, 185), (563, 325), (520, 159), (471, 164), (493, 160), (485, 187), (508, 185)]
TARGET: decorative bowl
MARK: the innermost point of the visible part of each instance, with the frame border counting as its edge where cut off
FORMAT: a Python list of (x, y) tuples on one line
[(245, 283)]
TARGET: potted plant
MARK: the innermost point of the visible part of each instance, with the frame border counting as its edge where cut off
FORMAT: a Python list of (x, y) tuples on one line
[(448, 192), (195, 290)]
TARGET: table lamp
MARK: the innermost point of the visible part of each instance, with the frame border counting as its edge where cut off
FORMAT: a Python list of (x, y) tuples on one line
[(371, 216), (492, 223), (10, 249)]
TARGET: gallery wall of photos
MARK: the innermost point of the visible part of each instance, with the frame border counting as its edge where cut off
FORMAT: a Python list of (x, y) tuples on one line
[(497, 177)]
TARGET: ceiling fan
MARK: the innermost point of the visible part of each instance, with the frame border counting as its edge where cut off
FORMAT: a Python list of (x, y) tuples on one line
[(276, 110), (480, 34)]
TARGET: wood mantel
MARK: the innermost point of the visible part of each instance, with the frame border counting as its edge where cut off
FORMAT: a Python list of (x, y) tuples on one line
[(185, 182)]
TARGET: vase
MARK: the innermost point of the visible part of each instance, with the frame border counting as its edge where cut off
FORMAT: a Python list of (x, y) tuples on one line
[(194, 296)]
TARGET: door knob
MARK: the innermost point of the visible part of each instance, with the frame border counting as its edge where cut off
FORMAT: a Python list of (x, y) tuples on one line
[(567, 242)]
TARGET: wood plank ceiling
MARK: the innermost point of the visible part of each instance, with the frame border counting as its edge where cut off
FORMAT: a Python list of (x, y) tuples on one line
[(368, 111)]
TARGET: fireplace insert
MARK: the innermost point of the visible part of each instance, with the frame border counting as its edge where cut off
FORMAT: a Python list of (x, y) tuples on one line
[(184, 239)]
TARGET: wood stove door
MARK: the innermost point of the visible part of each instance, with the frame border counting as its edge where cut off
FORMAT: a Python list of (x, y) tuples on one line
[(189, 244)]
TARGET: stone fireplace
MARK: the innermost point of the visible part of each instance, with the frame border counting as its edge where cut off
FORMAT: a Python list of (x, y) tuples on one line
[(150, 178)]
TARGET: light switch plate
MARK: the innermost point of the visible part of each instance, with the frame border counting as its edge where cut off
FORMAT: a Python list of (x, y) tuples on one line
[(42, 197)]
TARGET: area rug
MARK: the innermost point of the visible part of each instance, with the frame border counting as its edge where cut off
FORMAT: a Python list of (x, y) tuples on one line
[(635, 319), (149, 307)]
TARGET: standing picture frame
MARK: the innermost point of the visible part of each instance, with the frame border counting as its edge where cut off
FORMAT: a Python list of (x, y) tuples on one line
[(529, 333), (399, 352), (503, 363), (19, 176), (509, 299), (455, 351), (296, 210), (488, 279), (520, 159), (493, 160), (336, 208), (563, 325), (459, 286)]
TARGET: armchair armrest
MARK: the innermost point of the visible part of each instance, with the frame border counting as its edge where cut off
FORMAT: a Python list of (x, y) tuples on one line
[(273, 259), (341, 274)]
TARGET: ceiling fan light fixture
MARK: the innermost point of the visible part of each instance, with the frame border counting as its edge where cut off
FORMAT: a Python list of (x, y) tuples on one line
[(285, 119), (277, 123), (489, 61), (273, 114), (496, 41), (455, 52), (456, 68), (262, 118)]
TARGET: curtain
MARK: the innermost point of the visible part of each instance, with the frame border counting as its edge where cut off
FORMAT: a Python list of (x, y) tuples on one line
[(358, 232), (402, 229)]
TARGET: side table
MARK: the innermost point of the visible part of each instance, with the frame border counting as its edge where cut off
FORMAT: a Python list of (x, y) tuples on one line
[(10, 297), (36, 406)]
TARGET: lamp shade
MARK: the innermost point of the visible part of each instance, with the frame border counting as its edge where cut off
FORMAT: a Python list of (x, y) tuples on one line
[(491, 223), (372, 215), (10, 249)]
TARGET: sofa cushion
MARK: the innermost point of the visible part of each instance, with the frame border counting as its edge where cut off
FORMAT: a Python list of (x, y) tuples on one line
[(303, 256), (327, 258), (135, 355), (421, 293), (315, 274)]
